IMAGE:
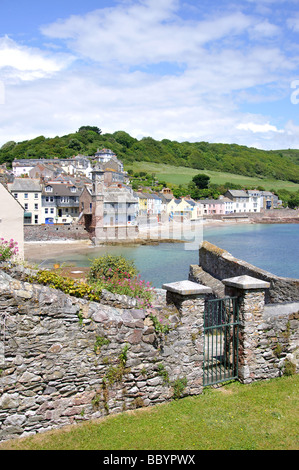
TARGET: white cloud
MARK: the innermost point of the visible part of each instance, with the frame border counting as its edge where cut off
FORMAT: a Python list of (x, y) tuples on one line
[(113, 85), (146, 32), (26, 63), (251, 126)]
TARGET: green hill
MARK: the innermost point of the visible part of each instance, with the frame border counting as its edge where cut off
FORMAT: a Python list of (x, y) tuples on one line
[(228, 158)]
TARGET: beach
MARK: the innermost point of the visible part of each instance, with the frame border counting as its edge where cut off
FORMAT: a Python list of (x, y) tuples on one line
[(174, 232)]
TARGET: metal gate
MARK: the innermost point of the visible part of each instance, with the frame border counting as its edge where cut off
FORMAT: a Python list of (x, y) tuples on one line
[(221, 340)]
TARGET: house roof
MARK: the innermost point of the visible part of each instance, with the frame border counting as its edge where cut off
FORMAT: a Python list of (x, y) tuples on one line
[(212, 201), (60, 189), (119, 195), (238, 193), (25, 185)]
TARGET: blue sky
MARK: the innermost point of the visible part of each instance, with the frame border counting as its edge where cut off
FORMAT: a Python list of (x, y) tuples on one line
[(215, 71)]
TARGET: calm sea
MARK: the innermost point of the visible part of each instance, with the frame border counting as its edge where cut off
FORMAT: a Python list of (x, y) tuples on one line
[(273, 247)]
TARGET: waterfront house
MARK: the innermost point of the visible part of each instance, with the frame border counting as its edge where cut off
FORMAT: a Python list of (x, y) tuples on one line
[(28, 192), (60, 203), (229, 205), (114, 209), (11, 219), (240, 198), (183, 207), (149, 203), (212, 206), (85, 207), (245, 201), (142, 203), (256, 200), (268, 200)]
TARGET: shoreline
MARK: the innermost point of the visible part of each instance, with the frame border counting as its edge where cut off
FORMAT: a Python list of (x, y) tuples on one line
[(154, 235)]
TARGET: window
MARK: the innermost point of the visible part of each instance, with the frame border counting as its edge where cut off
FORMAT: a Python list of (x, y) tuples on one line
[(36, 206), (46, 210), (16, 195), (26, 206), (52, 210), (49, 189), (35, 195), (25, 195), (36, 219)]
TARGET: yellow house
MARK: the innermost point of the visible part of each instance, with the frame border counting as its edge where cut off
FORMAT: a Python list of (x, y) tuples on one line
[(142, 203), (184, 208)]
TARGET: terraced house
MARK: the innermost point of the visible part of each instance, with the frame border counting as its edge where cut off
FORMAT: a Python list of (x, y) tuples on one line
[(60, 203), (28, 192)]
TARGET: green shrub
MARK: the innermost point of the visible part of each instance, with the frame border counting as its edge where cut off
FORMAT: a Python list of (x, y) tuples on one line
[(109, 265), (119, 276)]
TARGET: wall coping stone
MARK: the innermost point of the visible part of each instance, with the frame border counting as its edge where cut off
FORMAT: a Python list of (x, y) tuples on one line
[(187, 288), (246, 282)]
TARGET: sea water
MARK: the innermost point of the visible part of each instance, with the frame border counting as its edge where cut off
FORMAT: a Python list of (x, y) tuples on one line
[(272, 247)]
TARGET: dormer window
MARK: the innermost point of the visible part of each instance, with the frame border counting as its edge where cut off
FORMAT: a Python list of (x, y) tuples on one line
[(49, 189)]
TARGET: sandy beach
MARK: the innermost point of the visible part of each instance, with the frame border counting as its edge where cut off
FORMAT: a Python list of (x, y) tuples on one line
[(37, 250)]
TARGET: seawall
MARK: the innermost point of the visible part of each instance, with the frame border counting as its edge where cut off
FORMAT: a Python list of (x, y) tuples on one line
[(216, 264)]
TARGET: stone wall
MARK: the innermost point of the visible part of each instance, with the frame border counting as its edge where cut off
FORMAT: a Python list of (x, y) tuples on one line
[(220, 264), (54, 232), (64, 360), (268, 335)]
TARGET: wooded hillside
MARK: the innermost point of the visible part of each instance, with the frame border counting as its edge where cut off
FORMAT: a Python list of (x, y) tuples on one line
[(231, 158)]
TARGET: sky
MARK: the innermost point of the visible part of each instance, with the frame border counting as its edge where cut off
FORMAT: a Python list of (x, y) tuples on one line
[(222, 71)]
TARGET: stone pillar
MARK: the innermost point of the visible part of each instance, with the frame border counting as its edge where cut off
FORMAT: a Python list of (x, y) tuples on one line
[(186, 358), (251, 293)]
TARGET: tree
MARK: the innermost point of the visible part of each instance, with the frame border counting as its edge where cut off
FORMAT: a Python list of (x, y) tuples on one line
[(90, 128), (201, 181), (294, 201)]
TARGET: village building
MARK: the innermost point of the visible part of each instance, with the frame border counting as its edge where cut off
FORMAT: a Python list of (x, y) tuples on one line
[(28, 192), (60, 203), (183, 208), (77, 165), (265, 199), (11, 219), (114, 210), (244, 201), (212, 206)]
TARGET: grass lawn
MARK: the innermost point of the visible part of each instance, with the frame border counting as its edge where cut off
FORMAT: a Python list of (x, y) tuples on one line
[(182, 175), (259, 416)]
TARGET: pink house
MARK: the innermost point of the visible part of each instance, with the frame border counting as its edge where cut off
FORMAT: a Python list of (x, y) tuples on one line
[(212, 206)]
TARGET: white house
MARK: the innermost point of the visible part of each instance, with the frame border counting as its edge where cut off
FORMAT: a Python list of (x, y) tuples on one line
[(244, 202), (11, 219), (28, 192)]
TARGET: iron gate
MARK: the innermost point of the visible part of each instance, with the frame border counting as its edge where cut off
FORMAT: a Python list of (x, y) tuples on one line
[(221, 340)]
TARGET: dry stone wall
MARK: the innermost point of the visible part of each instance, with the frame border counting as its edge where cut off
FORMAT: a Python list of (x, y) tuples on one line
[(65, 360), (55, 232)]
